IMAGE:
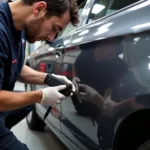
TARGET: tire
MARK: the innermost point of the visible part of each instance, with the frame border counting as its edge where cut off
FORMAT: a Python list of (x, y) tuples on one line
[(34, 121), (145, 146), (133, 132)]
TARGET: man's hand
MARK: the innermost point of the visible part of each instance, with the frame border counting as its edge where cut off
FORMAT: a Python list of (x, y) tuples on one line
[(76, 81), (51, 95), (87, 93), (66, 80)]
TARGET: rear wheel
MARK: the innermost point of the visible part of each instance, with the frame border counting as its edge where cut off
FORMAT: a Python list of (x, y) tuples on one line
[(34, 121), (145, 146), (133, 132)]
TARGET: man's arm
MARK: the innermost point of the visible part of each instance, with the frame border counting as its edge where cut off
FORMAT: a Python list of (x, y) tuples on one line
[(28, 75), (14, 100), (111, 108)]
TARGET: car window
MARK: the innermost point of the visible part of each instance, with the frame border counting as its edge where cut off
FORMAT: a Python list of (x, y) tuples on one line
[(70, 27), (105, 7)]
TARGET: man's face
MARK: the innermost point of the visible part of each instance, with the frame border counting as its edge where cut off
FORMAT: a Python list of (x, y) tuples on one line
[(40, 28)]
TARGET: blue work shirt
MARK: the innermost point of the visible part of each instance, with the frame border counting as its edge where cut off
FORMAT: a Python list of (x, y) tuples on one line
[(12, 49)]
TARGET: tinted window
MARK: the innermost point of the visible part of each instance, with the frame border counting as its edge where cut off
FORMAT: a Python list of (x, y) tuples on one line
[(104, 7)]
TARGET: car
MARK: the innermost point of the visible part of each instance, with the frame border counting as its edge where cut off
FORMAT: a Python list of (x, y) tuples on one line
[(107, 56)]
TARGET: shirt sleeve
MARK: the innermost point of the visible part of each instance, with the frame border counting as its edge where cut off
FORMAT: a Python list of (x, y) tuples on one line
[(3, 57)]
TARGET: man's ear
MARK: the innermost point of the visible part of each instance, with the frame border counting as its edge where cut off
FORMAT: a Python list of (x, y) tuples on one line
[(39, 8)]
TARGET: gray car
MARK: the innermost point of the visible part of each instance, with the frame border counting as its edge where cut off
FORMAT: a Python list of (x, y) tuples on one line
[(107, 56)]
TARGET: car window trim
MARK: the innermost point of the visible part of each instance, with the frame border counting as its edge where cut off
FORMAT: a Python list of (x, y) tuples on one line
[(114, 13), (82, 23)]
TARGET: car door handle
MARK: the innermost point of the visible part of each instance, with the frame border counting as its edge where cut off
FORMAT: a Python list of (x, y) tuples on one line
[(58, 47), (59, 50)]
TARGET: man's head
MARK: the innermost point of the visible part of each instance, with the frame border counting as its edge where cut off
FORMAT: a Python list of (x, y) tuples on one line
[(48, 17)]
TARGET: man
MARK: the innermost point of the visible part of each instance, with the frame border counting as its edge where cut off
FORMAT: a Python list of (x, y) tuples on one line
[(40, 20)]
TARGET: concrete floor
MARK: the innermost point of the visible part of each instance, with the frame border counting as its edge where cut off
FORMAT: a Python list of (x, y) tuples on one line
[(35, 140)]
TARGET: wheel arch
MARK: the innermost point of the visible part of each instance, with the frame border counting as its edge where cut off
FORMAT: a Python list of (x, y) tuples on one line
[(135, 125)]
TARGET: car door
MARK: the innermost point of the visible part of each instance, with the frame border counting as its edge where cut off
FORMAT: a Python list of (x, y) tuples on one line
[(80, 118), (45, 60), (48, 58)]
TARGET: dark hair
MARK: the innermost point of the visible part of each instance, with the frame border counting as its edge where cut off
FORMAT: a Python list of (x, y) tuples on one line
[(59, 7)]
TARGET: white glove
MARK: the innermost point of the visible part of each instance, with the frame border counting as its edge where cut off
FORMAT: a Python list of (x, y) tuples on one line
[(66, 80), (51, 95)]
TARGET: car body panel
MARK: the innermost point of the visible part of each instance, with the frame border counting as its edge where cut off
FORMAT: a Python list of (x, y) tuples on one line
[(112, 45)]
